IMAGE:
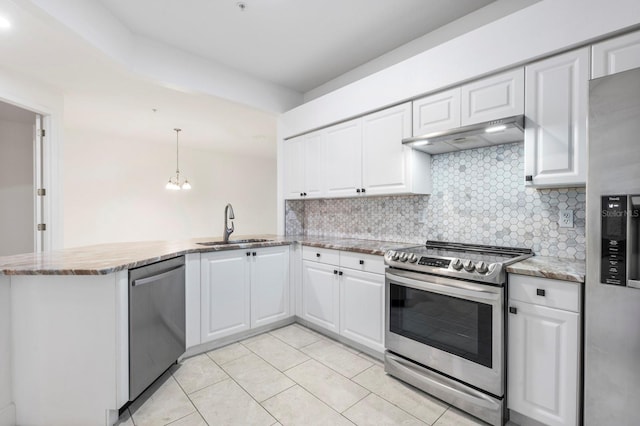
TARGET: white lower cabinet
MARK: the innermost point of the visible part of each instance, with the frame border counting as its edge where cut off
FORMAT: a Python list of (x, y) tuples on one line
[(362, 308), (343, 292), (544, 350), (242, 289), (321, 295)]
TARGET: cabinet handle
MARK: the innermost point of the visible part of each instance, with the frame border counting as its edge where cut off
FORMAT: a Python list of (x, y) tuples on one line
[(335, 272), (364, 190), (248, 253), (362, 262), (528, 178), (340, 273), (317, 254), (513, 310), (304, 193), (358, 190), (253, 254), (301, 194), (540, 292)]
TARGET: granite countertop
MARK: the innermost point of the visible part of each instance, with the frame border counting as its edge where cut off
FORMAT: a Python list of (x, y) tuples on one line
[(550, 267), (104, 259)]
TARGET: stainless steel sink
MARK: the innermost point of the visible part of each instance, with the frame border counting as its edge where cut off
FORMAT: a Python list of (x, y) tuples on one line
[(222, 243)]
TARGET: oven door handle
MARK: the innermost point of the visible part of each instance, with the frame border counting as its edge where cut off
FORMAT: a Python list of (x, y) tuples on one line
[(451, 287)]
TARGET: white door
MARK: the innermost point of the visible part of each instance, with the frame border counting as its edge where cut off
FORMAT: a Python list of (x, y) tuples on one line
[(343, 159), (492, 98), (321, 295), (225, 293), (436, 113), (294, 172), (543, 363), (269, 285), (314, 185), (362, 308), (555, 136), (384, 158), (616, 55)]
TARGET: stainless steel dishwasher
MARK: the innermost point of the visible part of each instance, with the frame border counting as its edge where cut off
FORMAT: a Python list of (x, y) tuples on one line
[(156, 321)]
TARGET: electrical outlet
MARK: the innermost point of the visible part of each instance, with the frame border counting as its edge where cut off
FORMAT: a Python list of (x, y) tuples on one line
[(565, 219)]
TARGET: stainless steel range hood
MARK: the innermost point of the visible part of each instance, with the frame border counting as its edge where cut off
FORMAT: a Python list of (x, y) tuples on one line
[(496, 132)]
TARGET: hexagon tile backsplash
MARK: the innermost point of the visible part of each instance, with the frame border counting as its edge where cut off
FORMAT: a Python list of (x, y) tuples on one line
[(478, 197)]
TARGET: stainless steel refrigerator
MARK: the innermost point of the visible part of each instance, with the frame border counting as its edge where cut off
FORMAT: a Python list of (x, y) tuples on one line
[(612, 301)]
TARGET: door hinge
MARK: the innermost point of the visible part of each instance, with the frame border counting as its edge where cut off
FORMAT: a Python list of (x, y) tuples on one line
[(43, 133), (42, 227), (42, 192)]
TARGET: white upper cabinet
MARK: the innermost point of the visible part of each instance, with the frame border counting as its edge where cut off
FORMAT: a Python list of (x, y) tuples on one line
[(616, 55), (364, 156), (343, 159), (302, 157), (388, 166), (293, 159), (492, 98), (436, 112), (557, 91)]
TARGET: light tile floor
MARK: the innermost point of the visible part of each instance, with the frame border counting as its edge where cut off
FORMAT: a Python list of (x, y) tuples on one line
[(289, 376)]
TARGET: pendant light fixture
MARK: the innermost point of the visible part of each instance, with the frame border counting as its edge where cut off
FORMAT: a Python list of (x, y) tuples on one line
[(174, 181)]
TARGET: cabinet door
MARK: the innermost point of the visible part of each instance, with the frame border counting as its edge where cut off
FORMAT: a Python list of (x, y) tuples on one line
[(492, 98), (294, 171), (321, 295), (616, 55), (437, 112), (225, 294), (555, 137), (385, 160), (544, 363), (313, 164), (343, 159), (269, 285), (362, 308)]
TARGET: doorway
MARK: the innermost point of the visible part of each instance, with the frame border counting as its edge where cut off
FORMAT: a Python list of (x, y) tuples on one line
[(21, 202)]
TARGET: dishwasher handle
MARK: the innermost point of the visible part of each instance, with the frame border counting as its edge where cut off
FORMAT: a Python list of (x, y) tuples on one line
[(155, 278)]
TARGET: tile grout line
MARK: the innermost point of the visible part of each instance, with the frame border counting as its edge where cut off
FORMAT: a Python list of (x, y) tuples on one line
[(191, 401)]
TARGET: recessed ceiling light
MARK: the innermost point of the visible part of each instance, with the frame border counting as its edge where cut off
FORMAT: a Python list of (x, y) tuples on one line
[(4, 23)]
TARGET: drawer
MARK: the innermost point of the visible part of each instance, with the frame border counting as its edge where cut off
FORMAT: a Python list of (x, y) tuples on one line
[(321, 255), (362, 262), (545, 292)]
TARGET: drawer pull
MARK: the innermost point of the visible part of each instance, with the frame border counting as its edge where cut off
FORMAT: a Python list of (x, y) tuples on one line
[(317, 254), (513, 310), (335, 272), (540, 292), (362, 262), (340, 273)]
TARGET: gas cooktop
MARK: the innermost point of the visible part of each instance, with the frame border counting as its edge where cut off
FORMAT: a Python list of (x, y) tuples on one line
[(465, 261)]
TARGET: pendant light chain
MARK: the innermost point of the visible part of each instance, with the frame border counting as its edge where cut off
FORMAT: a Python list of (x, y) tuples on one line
[(174, 182)]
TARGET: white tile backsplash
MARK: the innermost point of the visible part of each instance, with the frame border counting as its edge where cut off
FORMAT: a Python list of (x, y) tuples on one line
[(478, 197)]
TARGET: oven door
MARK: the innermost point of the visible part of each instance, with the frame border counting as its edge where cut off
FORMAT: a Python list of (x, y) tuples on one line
[(452, 326)]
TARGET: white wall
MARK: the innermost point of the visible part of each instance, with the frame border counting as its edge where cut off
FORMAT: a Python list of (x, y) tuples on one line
[(114, 191), (16, 188)]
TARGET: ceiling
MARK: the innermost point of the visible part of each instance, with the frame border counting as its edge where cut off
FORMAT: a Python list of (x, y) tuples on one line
[(206, 66), (296, 44)]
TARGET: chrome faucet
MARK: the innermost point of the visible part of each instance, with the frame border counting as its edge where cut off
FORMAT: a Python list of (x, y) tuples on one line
[(228, 214)]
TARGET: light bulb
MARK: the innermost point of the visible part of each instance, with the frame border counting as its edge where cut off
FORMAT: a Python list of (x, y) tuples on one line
[(495, 129), (169, 185), (186, 185)]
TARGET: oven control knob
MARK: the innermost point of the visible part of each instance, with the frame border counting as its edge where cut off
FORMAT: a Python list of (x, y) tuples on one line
[(413, 258), (394, 255), (481, 267), (468, 266), (456, 264), (404, 257)]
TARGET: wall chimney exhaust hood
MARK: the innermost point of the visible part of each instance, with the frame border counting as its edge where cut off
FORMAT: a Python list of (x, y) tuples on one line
[(495, 132)]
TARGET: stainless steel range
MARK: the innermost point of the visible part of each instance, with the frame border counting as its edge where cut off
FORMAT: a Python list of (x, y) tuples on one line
[(445, 322)]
